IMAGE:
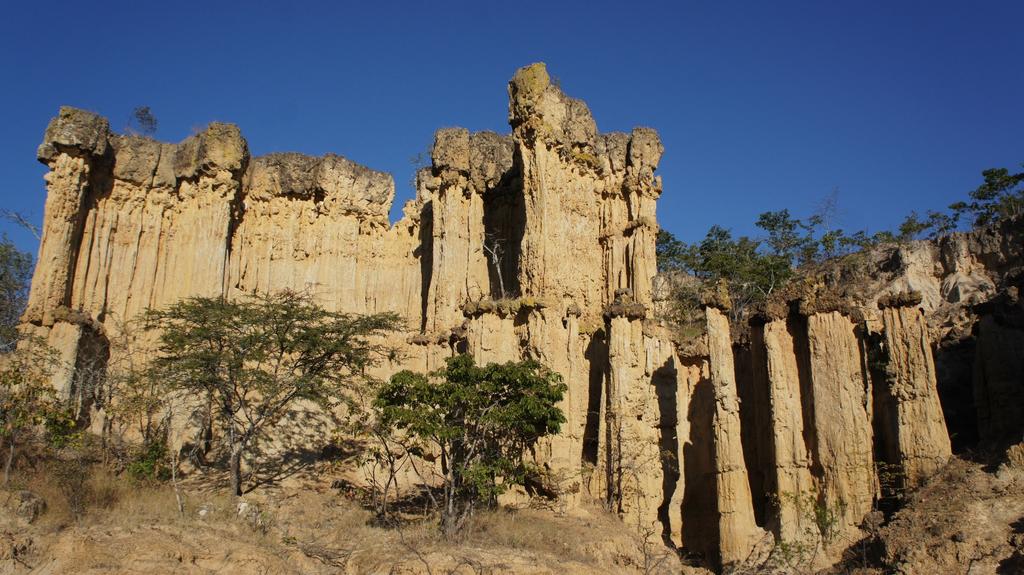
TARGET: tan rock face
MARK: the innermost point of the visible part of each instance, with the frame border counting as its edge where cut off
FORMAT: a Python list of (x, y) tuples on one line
[(999, 368), (539, 244), (588, 200), (919, 442), (774, 346), (842, 446), (737, 529)]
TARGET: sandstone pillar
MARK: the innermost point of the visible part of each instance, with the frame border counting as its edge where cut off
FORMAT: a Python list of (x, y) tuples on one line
[(790, 481), (74, 147), (842, 428), (999, 368), (634, 459), (915, 414), (459, 271), (737, 530)]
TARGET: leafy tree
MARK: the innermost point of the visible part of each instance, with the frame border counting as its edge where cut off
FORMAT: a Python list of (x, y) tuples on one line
[(133, 399), (671, 253), (913, 227), (27, 398), (481, 420), (254, 358), (789, 237), (1001, 196), (143, 121), (15, 273)]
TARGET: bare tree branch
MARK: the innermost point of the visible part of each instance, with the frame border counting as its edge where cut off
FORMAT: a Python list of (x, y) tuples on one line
[(22, 221)]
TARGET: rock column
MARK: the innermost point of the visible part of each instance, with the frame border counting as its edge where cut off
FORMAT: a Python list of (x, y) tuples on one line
[(737, 530), (842, 428), (75, 147), (915, 415), (790, 481)]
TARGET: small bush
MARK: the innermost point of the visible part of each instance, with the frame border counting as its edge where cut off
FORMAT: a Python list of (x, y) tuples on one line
[(150, 463)]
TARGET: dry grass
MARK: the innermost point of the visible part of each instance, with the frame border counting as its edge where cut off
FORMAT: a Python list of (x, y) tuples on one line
[(114, 524)]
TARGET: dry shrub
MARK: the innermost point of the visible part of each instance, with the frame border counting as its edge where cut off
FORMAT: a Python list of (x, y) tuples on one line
[(523, 530), (73, 489)]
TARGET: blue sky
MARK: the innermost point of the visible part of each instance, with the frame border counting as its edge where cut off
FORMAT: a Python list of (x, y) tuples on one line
[(760, 105)]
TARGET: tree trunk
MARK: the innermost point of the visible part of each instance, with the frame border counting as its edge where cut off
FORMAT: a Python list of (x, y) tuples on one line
[(236, 469), (174, 480), (10, 459)]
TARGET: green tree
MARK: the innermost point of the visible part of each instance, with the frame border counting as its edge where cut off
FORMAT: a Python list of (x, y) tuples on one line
[(254, 358), (1000, 196), (913, 227), (671, 253), (482, 421), (791, 238), (27, 398), (15, 273)]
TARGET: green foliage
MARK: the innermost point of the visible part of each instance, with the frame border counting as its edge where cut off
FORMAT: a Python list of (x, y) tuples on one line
[(482, 421), (254, 358), (792, 239), (60, 425), (150, 462), (15, 273), (750, 273), (671, 253), (1001, 196), (27, 399), (913, 227)]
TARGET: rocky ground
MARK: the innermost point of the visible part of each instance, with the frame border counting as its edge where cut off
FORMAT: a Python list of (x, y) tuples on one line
[(301, 525), (969, 519)]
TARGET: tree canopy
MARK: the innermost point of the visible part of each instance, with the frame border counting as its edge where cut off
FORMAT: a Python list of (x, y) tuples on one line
[(482, 420), (254, 358), (15, 274), (753, 268)]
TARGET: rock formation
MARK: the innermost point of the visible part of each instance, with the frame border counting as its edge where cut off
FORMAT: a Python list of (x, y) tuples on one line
[(537, 244), (999, 367), (737, 530), (774, 347), (914, 436)]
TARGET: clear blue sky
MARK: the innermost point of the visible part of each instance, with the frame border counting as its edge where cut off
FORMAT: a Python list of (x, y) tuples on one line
[(761, 105)]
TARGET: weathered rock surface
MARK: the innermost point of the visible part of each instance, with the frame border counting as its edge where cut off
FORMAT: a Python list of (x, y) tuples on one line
[(912, 419), (774, 348), (737, 529), (999, 368), (842, 448), (537, 244)]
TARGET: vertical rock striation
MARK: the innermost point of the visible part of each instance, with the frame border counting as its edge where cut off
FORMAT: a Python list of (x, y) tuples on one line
[(916, 428), (537, 244), (842, 447), (999, 368), (789, 478), (737, 530)]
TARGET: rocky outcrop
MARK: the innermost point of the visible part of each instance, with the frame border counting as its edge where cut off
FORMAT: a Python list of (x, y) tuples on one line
[(737, 530), (588, 199), (777, 369), (537, 244), (842, 448), (999, 368), (914, 435)]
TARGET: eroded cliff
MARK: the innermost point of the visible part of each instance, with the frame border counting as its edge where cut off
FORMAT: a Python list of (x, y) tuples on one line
[(538, 244)]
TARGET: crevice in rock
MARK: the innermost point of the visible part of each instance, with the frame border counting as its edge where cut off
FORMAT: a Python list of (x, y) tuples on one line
[(700, 508), (596, 355), (797, 326), (751, 434), (664, 380)]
